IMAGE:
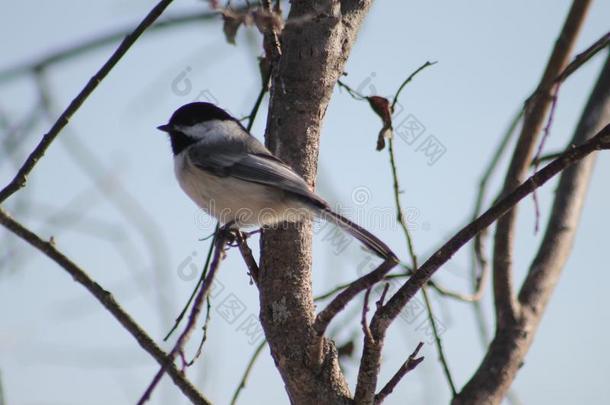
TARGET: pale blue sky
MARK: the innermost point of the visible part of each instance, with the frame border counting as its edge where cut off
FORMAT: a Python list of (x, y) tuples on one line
[(57, 346)]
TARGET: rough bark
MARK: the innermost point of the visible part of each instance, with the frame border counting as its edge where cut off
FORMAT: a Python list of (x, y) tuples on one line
[(315, 44), (510, 345)]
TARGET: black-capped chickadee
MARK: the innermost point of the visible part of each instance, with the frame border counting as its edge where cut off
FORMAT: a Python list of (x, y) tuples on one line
[(229, 174)]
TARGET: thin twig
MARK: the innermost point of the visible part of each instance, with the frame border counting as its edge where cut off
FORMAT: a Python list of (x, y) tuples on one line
[(583, 57), (120, 196), (495, 373), (244, 378), (576, 63), (479, 263), (204, 272), (197, 304), (259, 100), (107, 300), (99, 41), (370, 361), (553, 93), (246, 254), (383, 318), (399, 211), (479, 255), (412, 362), (340, 301), (20, 178), (17, 134), (438, 342), (407, 80), (407, 233), (342, 287), (204, 329), (384, 292), (353, 93), (431, 283), (365, 310), (273, 48), (251, 118), (410, 246), (536, 109), (385, 315)]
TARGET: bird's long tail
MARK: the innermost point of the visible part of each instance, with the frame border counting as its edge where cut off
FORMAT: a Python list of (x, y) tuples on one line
[(368, 239)]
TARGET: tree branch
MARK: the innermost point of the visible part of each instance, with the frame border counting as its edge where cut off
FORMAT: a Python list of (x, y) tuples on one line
[(386, 314), (315, 44), (107, 300), (354, 288), (20, 178), (219, 254), (601, 141), (99, 41), (412, 362), (246, 254), (536, 109), (509, 347)]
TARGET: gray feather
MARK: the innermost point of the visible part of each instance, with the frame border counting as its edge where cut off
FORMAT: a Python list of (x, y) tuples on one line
[(252, 162)]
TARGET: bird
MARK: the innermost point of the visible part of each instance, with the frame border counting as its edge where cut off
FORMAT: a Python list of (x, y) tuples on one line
[(233, 177)]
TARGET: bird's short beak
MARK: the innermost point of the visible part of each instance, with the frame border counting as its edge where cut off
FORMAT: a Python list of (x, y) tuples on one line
[(165, 127)]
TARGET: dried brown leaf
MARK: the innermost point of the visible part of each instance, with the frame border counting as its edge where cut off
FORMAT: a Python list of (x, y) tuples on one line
[(231, 23), (381, 106)]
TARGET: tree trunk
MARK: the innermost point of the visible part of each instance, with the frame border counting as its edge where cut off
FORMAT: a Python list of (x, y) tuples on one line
[(315, 44)]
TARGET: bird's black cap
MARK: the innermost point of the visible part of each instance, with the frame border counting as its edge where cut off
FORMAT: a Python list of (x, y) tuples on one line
[(189, 115), (195, 113)]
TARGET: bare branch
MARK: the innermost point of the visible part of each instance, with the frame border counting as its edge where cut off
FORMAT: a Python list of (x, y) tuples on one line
[(107, 300), (246, 254), (601, 141), (431, 283), (20, 178), (385, 315), (407, 80), (583, 57), (342, 299), (219, 255), (479, 256), (545, 158), (204, 329), (118, 195), (367, 386), (536, 109), (204, 273), (99, 41), (412, 362), (509, 347), (411, 249), (438, 341), (363, 322)]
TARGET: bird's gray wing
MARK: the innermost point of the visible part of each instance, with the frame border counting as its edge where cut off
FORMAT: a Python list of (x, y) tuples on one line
[(262, 168)]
